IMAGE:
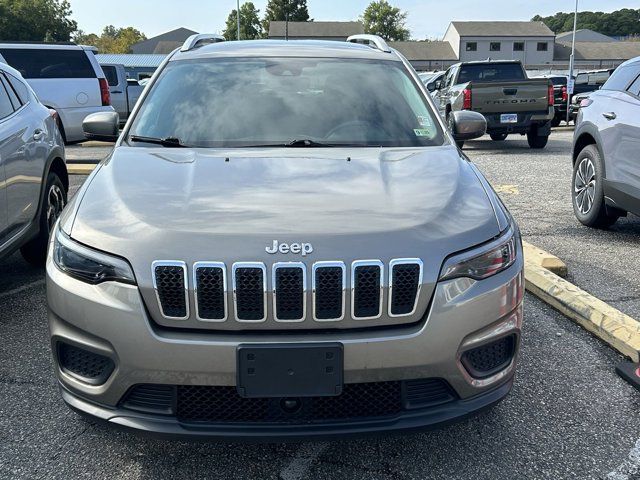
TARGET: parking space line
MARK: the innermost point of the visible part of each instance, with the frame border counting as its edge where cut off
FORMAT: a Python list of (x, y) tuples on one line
[(303, 459), (630, 467), (28, 286)]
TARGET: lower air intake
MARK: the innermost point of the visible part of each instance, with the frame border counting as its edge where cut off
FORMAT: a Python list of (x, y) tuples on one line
[(484, 361), (87, 366)]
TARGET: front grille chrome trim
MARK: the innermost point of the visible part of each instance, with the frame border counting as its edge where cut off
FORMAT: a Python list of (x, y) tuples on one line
[(258, 265), (366, 263), (171, 263), (223, 267), (329, 264), (300, 265), (404, 261)]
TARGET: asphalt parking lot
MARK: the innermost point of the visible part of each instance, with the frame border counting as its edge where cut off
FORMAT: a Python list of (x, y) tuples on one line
[(569, 416)]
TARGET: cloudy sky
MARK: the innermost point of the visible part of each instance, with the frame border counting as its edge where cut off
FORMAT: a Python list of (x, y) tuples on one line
[(426, 19)]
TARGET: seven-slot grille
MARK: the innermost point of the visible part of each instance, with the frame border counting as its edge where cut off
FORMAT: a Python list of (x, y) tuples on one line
[(289, 285)]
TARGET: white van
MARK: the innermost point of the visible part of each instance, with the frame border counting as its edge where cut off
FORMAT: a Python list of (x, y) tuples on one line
[(66, 78)]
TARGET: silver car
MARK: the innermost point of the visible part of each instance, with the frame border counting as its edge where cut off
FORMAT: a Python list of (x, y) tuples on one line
[(293, 247), (33, 174), (606, 170)]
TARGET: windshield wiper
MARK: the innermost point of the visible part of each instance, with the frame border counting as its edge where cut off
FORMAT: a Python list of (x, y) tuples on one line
[(170, 142), (307, 143)]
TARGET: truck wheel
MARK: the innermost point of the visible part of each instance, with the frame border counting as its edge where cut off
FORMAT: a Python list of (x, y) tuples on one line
[(537, 141), (498, 137), (587, 193), (55, 199)]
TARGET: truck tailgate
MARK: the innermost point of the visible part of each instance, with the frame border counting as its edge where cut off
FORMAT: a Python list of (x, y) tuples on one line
[(510, 97)]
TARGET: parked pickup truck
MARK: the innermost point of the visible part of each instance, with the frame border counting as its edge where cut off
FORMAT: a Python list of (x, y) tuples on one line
[(124, 92), (501, 91)]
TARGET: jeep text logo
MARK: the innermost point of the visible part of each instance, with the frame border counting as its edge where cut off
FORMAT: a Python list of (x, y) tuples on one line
[(303, 248)]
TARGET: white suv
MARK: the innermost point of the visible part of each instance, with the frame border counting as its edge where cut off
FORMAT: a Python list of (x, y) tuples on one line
[(66, 78)]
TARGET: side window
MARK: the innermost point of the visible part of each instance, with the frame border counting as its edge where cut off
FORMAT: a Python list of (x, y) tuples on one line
[(494, 46), (542, 46), (111, 75), (451, 74), (21, 89), (634, 89), (49, 63), (15, 101), (621, 78), (518, 46), (6, 108), (581, 79), (472, 46)]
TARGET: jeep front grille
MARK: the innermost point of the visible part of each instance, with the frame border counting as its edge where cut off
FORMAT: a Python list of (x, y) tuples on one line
[(288, 292), (170, 283)]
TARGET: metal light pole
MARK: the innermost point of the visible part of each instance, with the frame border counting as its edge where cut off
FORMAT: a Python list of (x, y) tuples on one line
[(571, 59), (286, 22), (238, 18)]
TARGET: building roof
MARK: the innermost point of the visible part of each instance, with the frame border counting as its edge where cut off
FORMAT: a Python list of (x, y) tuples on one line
[(164, 43), (597, 50), (315, 29), (415, 51), (584, 35), (502, 29), (131, 60)]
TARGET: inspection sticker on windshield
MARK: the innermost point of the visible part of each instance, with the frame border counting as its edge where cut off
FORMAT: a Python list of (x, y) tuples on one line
[(422, 132), (424, 121)]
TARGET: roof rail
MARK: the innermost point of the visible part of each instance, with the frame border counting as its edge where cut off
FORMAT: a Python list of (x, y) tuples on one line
[(200, 39), (374, 41)]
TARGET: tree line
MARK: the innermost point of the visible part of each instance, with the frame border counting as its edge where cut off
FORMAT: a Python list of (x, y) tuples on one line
[(50, 20), (379, 18), (621, 23)]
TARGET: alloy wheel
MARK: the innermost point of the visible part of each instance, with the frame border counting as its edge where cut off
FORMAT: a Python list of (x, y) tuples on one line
[(584, 190), (55, 205)]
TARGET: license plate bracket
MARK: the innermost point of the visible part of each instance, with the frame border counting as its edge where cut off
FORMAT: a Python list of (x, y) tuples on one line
[(290, 370), (509, 118)]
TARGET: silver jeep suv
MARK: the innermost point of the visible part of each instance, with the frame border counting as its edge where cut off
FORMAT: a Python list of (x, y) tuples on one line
[(292, 246)]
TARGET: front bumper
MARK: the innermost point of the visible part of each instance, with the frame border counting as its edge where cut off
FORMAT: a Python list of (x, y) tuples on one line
[(110, 319)]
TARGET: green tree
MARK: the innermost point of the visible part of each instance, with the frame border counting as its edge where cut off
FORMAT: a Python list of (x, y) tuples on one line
[(279, 10), (381, 18), (250, 26), (112, 39), (36, 20), (621, 23)]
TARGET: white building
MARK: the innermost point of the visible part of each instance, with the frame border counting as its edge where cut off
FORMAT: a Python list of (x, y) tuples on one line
[(530, 42)]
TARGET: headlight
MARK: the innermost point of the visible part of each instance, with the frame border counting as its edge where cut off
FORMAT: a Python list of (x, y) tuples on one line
[(484, 261), (89, 265)]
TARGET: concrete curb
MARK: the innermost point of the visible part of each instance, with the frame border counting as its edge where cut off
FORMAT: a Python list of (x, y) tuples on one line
[(609, 324), (81, 168)]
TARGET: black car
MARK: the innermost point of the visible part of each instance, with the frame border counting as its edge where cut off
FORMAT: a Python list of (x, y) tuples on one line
[(560, 98), (606, 170)]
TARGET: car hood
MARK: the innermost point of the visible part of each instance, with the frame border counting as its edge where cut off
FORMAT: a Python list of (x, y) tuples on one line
[(218, 202), (228, 206)]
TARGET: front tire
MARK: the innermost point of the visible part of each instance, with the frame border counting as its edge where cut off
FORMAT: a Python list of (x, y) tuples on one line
[(587, 191), (55, 199), (536, 141)]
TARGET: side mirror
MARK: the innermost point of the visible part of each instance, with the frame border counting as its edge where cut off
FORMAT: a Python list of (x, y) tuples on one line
[(102, 126), (468, 125), (431, 87), (437, 85)]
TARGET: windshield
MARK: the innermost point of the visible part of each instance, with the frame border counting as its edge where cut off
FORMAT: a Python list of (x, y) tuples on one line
[(496, 72), (282, 101)]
